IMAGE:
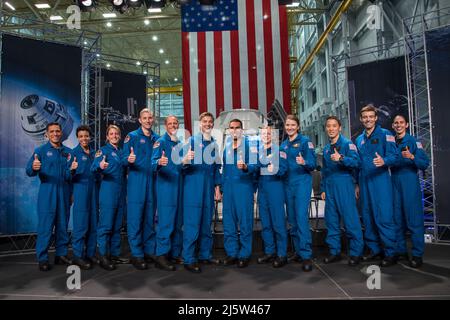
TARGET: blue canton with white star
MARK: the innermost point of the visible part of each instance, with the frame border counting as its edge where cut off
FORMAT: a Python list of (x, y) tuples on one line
[(223, 16)]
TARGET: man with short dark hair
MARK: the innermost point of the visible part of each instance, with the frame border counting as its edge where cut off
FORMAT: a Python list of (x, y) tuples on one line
[(201, 185), (50, 162), (141, 204), (238, 176), (378, 152)]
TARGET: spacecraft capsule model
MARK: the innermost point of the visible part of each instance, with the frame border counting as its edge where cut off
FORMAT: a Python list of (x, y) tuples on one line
[(37, 111)]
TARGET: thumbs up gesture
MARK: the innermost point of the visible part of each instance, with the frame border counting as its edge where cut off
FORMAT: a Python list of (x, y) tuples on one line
[(74, 164), (189, 156), (163, 161), (241, 164), (407, 154), (36, 163), (378, 161), (132, 156), (299, 159), (103, 163), (336, 156)]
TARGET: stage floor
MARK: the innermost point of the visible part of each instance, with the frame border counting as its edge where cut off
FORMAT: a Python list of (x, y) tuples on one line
[(21, 279)]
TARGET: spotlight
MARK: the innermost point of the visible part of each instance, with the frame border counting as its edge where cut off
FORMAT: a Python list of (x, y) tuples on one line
[(119, 5), (152, 4), (134, 3), (86, 5)]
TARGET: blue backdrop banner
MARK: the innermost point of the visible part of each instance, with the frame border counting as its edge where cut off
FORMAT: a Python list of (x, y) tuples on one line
[(40, 84)]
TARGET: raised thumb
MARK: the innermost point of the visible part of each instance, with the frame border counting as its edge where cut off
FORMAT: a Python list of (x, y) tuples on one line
[(74, 159), (131, 150), (376, 153), (163, 154), (36, 157), (104, 158)]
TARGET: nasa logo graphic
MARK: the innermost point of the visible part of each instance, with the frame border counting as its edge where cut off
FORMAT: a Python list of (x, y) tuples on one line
[(37, 111)]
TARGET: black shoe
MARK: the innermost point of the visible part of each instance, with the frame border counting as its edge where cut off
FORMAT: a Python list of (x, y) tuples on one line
[(44, 266), (228, 261), (139, 263), (177, 260), (388, 261), (119, 260), (267, 258), (332, 258), (307, 265), (63, 260), (278, 262), (106, 263), (210, 261), (83, 264), (402, 257), (194, 268), (416, 262), (354, 261), (149, 258), (294, 258), (373, 257), (93, 260), (163, 263), (243, 263)]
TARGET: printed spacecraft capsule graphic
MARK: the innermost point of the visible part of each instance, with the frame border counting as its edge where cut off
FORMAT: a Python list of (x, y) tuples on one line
[(37, 111)]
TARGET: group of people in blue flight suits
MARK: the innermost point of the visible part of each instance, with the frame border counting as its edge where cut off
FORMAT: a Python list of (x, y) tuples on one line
[(168, 190)]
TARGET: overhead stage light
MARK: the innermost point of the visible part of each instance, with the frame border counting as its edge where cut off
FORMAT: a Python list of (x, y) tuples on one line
[(153, 4), (119, 5), (134, 3), (86, 5)]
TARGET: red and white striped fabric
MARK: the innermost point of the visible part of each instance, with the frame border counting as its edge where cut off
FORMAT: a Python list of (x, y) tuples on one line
[(234, 60)]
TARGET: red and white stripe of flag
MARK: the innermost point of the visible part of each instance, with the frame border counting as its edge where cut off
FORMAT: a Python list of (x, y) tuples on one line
[(247, 68)]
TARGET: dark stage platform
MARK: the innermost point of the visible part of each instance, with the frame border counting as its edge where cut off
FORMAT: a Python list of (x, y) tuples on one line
[(21, 279)]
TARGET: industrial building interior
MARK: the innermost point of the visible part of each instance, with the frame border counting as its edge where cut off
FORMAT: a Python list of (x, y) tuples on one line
[(325, 37)]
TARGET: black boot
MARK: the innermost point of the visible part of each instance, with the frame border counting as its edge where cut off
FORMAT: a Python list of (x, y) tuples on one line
[(93, 260), (83, 264), (163, 263), (279, 262), (243, 263), (332, 258), (210, 261), (228, 261), (354, 261), (63, 260), (44, 266), (416, 262), (294, 258), (139, 263), (388, 261), (307, 265), (267, 258), (373, 257), (106, 263), (193, 267)]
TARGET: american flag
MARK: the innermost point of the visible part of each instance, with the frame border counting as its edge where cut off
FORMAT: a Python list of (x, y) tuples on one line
[(235, 55)]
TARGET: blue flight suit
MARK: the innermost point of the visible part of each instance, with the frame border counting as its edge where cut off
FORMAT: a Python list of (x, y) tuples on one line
[(53, 207), (271, 200), (375, 187), (408, 208), (169, 235), (238, 188), (85, 204), (200, 177), (141, 205), (298, 186), (111, 199), (338, 185)]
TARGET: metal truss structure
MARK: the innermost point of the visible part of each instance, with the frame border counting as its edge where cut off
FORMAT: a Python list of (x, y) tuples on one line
[(91, 94), (421, 122)]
